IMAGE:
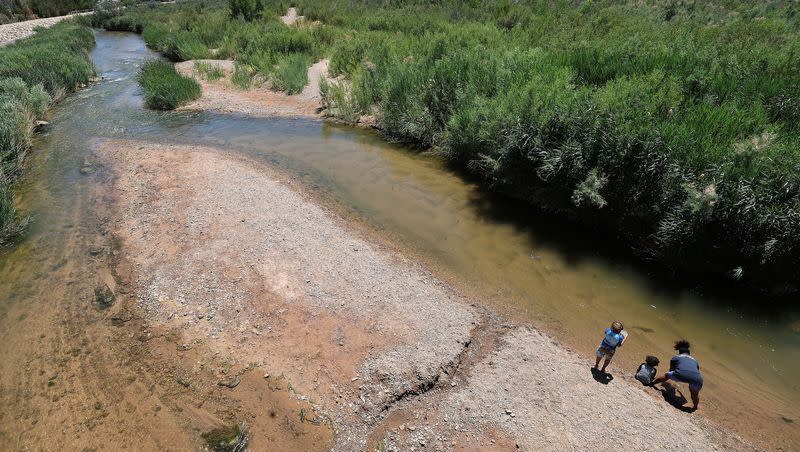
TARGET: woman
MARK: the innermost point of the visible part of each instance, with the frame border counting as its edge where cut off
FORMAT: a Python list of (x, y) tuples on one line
[(685, 369)]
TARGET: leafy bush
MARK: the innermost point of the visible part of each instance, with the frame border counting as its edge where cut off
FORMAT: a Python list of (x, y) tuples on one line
[(14, 10), (249, 10), (164, 88), (106, 9)]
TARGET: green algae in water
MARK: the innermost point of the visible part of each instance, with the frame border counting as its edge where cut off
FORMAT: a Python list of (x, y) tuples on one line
[(226, 439)]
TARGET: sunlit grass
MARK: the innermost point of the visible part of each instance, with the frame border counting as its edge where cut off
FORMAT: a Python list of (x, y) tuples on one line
[(164, 88), (673, 125)]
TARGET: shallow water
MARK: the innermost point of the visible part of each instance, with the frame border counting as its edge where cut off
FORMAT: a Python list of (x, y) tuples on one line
[(554, 275)]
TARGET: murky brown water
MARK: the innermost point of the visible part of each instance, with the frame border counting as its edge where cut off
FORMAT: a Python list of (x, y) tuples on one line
[(559, 278)]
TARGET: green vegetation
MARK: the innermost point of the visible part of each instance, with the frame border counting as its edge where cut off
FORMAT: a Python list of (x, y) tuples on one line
[(16, 10), (672, 124), (248, 10), (164, 88), (34, 72), (291, 75), (265, 50), (209, 72), (227, 439), (242, 76)]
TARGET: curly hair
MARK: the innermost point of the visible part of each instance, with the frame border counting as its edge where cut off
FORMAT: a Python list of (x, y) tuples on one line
[(652, 360), (682, 344)]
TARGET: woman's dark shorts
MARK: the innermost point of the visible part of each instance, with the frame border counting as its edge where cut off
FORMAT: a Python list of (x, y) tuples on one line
[(695, 384)]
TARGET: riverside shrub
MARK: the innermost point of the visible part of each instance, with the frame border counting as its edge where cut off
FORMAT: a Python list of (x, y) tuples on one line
[(674, 125), (33, 72), (163, 88)]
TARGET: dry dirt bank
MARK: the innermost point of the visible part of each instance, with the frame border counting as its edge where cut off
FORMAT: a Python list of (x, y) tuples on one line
[(239, 265)]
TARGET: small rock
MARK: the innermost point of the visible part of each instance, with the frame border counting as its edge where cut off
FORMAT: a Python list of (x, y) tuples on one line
[(266, 375), (184, 347), (230, 382), (354, 379)]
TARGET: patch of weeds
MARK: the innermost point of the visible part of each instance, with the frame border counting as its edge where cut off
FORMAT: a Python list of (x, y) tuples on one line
[(242, 76), (210, 72), (227, 439), (103, 297), (291, 74), (339, 101)]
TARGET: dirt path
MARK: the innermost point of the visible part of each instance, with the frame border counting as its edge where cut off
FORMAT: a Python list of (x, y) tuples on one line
[(19, 30), (234, 257)]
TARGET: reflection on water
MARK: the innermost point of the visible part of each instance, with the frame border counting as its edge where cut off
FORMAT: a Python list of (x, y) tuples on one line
[(556, 276)]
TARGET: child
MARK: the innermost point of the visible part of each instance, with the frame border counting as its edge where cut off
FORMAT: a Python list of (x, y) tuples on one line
[(615, 337), (646, 372)]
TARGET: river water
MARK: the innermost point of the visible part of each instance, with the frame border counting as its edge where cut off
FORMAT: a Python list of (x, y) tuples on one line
[(536, 269)]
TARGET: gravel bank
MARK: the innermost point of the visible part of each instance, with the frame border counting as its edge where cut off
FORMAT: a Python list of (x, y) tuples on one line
[(234, 255), (19, 30)]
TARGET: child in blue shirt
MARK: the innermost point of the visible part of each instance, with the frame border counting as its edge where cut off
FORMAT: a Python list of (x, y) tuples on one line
[(614, 337)]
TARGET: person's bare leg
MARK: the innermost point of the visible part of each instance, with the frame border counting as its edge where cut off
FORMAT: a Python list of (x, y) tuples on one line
[(605, 364), (695, 397), (660, 379), (597, 363)]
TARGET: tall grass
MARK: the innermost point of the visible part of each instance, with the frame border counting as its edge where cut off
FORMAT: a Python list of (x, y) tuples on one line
[(34, 72), (242, 76), (671, 124), (164, 88), (291, 74)]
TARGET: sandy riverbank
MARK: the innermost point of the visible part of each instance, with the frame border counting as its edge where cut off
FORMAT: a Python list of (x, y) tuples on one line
[(234, 257)]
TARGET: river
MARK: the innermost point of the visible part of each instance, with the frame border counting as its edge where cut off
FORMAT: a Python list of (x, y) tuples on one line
[(536, 269)]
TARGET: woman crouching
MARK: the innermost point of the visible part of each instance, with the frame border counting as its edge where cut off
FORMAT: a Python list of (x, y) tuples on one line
[(685, 369)]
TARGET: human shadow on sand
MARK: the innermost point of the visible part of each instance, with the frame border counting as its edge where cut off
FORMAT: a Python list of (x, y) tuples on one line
[(674, 397), (601, 377)]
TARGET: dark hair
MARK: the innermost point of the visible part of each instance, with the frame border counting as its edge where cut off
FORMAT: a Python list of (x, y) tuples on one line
[(682, 345), (651, 360)]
